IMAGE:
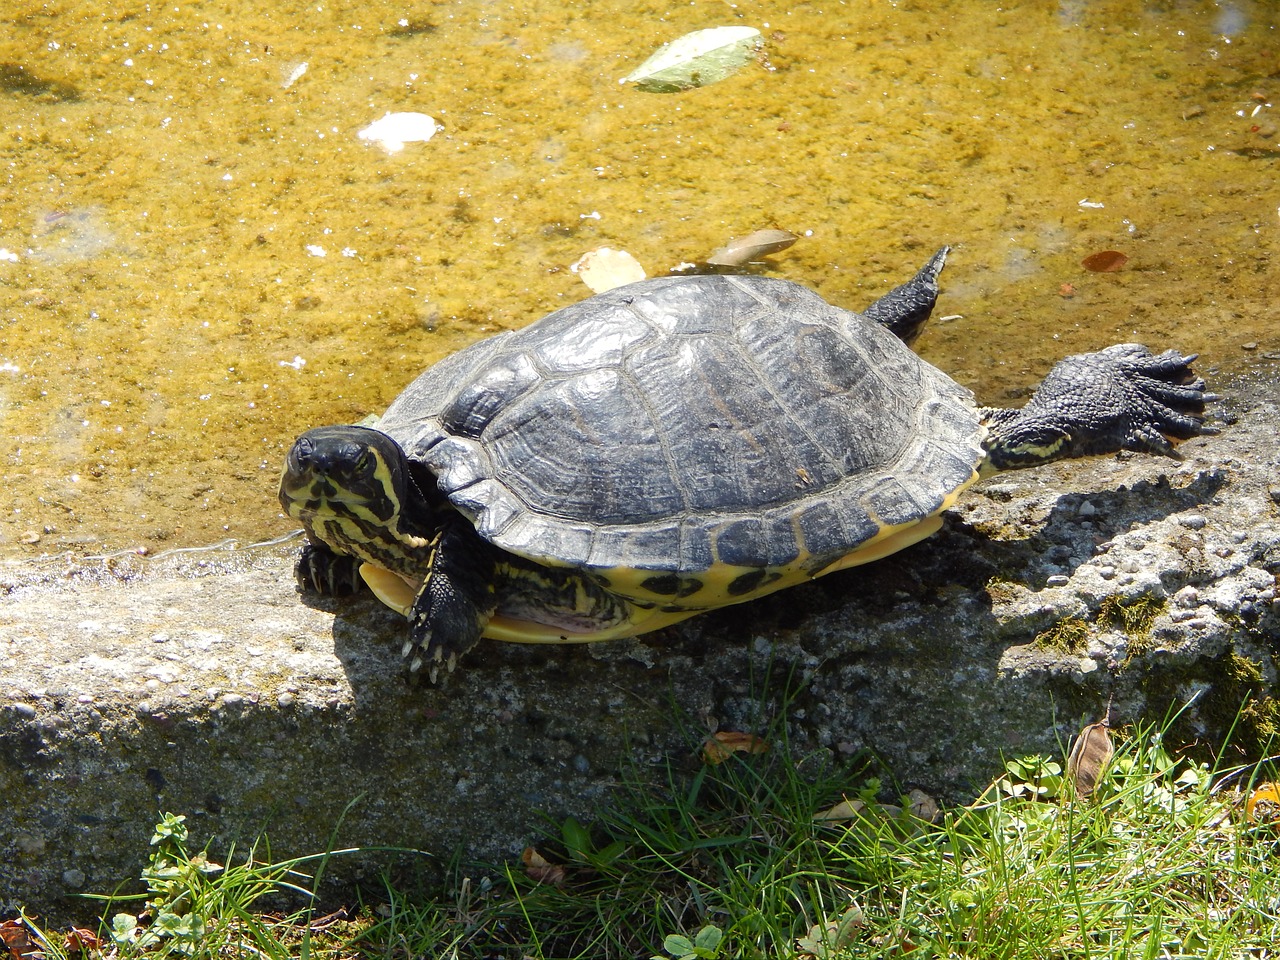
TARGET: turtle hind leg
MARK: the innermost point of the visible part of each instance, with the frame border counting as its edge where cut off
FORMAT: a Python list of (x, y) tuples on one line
[(455, 602), (905, 310), (321, 570), (1120, 398)]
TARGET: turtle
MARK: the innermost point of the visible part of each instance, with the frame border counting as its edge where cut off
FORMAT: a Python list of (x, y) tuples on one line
[(679, 444)]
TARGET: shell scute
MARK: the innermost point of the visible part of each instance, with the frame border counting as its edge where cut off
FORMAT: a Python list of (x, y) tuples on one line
[(692, 424)]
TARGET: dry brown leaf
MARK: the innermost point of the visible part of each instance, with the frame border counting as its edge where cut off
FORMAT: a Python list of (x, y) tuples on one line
[(80, 940), (17, 942), (719, 747), (1089, 756), (923, 807), (1263, 805), (541, 870), (844, 810), (833, 936)]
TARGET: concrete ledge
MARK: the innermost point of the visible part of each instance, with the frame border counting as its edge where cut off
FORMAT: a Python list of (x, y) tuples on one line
[(206, 687), (201, 684)]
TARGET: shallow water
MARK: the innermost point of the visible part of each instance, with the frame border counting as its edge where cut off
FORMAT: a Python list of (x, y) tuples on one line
[(171, 176)]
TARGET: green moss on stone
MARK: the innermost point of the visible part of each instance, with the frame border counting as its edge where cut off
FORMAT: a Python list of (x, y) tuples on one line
[(1069, 635), (1244, 669), (1134, 617)]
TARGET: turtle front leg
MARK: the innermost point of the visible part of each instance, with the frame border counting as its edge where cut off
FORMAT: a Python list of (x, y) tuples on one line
[(321, 570), (455, 602), (1120, 398)]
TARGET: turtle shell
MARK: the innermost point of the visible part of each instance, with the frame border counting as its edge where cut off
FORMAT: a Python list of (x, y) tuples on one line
[(683, 425)]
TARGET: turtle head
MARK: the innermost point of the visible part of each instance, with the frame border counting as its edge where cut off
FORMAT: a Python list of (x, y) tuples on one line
[(353, 477)]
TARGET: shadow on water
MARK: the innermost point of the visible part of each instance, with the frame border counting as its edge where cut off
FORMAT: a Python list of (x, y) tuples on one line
[(17, 79)]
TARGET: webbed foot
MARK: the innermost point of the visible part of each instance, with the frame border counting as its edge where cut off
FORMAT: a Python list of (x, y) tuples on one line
[(1166, 399), (1120, 398)]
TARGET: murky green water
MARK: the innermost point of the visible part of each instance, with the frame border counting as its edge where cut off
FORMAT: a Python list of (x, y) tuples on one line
[(169, 176)]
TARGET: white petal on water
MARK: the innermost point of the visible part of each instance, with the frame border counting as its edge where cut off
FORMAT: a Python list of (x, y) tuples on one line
[(605, 268), (696, 59), (394, 130), (294, 76)]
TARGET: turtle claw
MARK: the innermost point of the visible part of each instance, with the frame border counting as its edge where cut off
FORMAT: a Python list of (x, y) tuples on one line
[(320, 570), (448, 662), (425, 653), (431, 659)]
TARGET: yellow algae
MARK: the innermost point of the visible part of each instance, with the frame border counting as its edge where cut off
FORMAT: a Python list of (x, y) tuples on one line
[(170, 177)]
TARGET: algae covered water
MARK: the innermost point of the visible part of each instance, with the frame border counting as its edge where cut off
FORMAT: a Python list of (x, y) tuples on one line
[(200, 256)]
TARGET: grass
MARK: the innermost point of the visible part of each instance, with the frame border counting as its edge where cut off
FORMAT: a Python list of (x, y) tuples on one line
[(726, 859)]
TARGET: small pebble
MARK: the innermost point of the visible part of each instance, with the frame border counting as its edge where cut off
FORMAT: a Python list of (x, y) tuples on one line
[(1087, 509), (1057, 580), (1193, 521), (1107, 573)]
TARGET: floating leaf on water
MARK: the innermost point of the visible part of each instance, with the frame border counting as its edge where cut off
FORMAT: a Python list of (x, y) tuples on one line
[(760, 243), (1105, 261), (394, 130), (607, 268), (696, 59)]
